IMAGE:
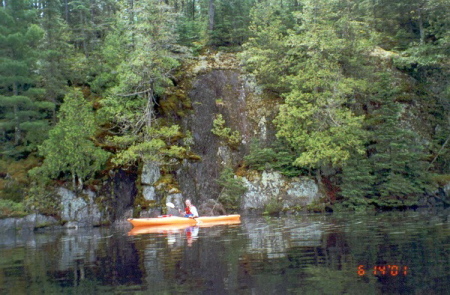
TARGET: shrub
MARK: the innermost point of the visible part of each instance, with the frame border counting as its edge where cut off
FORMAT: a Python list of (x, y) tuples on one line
[(43, 200), (232, 189), (277, 157), (232, 138), (273, 207), (9, 208)]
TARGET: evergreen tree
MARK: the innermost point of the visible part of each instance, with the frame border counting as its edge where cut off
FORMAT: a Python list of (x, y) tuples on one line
[(316, 118), (266, 53), (55, 53), (358, 181), (23, 116), (69, 150), (146, 31), (394, 171), (229, 25), (398, 157)]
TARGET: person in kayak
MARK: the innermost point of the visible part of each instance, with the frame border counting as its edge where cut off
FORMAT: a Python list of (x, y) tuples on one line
[(190, 210)]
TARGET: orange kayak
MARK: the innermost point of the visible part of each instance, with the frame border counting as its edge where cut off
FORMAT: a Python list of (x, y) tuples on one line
[(167, 220), (174, 228)]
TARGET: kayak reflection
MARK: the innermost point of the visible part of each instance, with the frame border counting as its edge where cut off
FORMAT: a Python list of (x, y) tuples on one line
[(191, 234), (173, 230)]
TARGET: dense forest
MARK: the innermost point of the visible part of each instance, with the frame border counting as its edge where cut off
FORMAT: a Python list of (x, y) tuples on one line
[(82, 86)]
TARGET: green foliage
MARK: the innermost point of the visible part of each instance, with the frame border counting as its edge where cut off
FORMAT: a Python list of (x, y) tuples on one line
[(14, 181), (69, 149), (260, 158), (55, 53), (316, 55), (12, 189), (157, 148), (265, 51), (393, 172), (232, 189), (358, 181), (42, 199), (230, 22), (316, 119), (144, 67), (231, 137), (277, 157), (190, 31), (9, 208), (22, 116), (273, 207)]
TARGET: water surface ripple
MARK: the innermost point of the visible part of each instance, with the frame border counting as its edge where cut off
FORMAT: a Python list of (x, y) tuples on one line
[(376, 253)]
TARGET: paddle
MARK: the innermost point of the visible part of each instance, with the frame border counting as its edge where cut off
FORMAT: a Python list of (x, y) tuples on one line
[(172, 205)]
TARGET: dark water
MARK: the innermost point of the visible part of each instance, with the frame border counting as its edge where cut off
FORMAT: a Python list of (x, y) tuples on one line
[(388, 253)]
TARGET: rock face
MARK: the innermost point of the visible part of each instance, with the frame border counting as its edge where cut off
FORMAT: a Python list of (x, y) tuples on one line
[(149, 176), (220, 87), (267, 186), (117, 195), (80, 210), (211, 208), (198, 178), (28, 223), (111, 204), (150, 173)]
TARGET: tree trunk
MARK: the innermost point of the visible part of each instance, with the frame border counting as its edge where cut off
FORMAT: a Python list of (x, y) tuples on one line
[(66, 10), (421, 30), (74, 181), (131, 21), (17, 134), (211, 13), (83, 33)]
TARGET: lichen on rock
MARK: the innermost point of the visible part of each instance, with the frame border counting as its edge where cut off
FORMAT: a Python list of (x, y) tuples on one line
[(290, 192)]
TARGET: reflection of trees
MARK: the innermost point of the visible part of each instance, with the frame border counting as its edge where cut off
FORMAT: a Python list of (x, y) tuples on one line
[(208, 264), (305, 255), (86, 256), (80, 260), (301, 255)]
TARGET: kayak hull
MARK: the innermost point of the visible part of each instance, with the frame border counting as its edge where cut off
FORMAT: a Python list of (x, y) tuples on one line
[(137, 222), (176, 228)]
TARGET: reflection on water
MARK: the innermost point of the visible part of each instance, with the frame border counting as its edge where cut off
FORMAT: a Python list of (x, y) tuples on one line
[(388, 253)]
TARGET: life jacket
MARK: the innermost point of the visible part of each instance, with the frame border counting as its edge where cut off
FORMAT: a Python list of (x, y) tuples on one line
[(188, 210)]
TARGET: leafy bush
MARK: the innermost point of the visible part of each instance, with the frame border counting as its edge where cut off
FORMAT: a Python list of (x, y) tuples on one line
[(232, 189), (13, 178), (9, 208), (273, 207), (232, 138), (41, 199), (278, 157)]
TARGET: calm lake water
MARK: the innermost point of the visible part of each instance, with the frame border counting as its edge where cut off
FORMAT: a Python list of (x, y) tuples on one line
[(386, 253)]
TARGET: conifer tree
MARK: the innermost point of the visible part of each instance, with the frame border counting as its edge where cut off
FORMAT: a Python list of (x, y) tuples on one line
[(398, 157), (55, 53), (23, 116), (69, 150), (316, 118), (267, 54), (229, 25), (146, 32), (392, 172)]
